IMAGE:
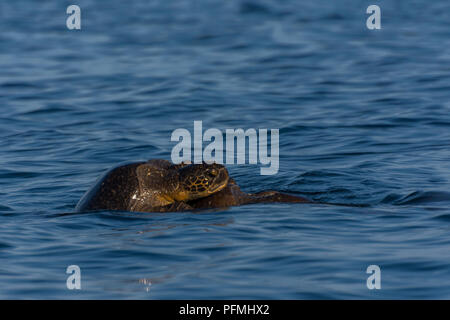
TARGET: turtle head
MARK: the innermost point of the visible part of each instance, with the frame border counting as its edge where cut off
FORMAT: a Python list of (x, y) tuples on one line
[(201, 180)]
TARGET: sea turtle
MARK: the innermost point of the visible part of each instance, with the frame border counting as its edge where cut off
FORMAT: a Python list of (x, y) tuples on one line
[(160, 186), (153, 186), (232, 195)]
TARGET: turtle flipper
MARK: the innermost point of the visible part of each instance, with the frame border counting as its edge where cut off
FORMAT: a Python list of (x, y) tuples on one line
[(275, 196), (177, 206)]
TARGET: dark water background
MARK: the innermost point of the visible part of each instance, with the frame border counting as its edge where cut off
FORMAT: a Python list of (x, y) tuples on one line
[(364, 118)]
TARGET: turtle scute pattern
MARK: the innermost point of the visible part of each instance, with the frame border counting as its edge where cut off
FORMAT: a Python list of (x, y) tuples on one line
[(155, 185)]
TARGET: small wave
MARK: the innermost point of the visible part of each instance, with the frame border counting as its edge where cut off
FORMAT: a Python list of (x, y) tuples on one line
[(253, 7), (10, 174), (443, 217), (19, 85), (418, 197), (5, 208), (47, 110), (322, 173)]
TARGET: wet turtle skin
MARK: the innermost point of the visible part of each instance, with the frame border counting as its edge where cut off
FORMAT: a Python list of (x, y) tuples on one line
[(112, 191), (232, 195), (160, 186), (153, 186)]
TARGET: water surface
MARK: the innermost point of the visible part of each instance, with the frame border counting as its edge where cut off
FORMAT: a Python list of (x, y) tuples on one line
[(364, 118)]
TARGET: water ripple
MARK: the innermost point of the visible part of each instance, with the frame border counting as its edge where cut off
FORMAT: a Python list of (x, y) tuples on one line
[(363, 118)]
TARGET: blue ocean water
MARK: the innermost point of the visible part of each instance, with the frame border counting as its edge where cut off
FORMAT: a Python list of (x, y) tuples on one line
[(364, 118)]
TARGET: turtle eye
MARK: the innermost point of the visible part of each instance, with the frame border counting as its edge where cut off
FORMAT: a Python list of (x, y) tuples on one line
[(214, 172)]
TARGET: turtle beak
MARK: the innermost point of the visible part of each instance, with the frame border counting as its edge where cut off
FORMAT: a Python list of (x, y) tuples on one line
[(223, 176)]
